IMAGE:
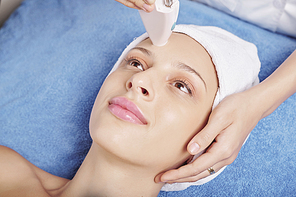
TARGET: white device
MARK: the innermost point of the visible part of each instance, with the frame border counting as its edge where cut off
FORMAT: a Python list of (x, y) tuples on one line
[(161, 21)]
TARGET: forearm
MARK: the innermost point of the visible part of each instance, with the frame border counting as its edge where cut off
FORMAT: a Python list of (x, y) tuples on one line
[(275, 89)]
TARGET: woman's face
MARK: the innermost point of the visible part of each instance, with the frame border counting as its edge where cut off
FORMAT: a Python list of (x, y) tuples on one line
[(155, 102)]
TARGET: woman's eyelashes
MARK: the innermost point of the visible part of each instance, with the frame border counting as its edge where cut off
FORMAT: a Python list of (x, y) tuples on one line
[(183, 86), (135, 63)]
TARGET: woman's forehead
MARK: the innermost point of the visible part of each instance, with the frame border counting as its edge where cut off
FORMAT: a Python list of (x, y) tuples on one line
[(179, 44), (180, 47)]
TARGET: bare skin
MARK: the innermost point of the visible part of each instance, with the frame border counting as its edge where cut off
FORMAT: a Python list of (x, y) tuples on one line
[(154, 79), (19, 177), (236, 116), (146, 5), (228, 124)]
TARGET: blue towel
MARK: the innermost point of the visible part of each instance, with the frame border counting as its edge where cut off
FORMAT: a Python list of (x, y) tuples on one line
[(54, 56)]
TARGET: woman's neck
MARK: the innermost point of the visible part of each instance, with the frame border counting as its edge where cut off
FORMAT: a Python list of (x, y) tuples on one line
[(102, 174)]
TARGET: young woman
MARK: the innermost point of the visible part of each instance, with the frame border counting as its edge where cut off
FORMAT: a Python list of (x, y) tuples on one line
[(155, 101)]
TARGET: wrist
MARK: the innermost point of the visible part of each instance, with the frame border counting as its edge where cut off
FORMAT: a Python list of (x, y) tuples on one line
[(259, 100), (276, 88)]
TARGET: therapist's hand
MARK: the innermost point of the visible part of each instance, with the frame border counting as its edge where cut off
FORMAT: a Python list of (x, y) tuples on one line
[(146, 5), (228, 127), (231, 122)]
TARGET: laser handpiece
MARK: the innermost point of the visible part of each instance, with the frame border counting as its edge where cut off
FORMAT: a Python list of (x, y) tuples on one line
[(161, 21)]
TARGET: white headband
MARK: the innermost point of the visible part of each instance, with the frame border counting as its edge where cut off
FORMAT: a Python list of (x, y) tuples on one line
[(236, 62)]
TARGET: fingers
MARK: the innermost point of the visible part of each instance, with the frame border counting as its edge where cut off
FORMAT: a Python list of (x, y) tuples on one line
[(218, 155), (224, 135), (201, 164), (146, 5), (217, 123), (127, 3), (205, 173), (201, 175), (176, 176), (150, 2)]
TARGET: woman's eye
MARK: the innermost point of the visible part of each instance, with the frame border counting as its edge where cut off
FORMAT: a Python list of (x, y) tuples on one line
[(136, 64), (182, 86)]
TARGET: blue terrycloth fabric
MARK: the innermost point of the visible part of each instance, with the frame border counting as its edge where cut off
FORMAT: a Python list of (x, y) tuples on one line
[(54, 56)]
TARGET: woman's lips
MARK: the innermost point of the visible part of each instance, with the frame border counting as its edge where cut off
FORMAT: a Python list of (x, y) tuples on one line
[(126, 110)]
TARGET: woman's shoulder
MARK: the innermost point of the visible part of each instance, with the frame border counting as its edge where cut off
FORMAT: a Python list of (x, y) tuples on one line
[(19, 177), (13, 165)]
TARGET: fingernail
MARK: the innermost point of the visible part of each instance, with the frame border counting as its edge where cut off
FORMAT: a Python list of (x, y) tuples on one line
[(158, 178), (147, 7), (193, 148)]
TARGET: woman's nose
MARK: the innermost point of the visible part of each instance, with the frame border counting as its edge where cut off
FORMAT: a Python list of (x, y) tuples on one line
[(141, 85)]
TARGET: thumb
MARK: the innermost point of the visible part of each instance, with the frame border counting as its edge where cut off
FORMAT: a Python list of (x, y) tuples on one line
[(205, 137)]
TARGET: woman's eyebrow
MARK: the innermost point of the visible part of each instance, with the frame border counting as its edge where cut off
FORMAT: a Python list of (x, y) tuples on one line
[(143, 50), (187, 68)]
